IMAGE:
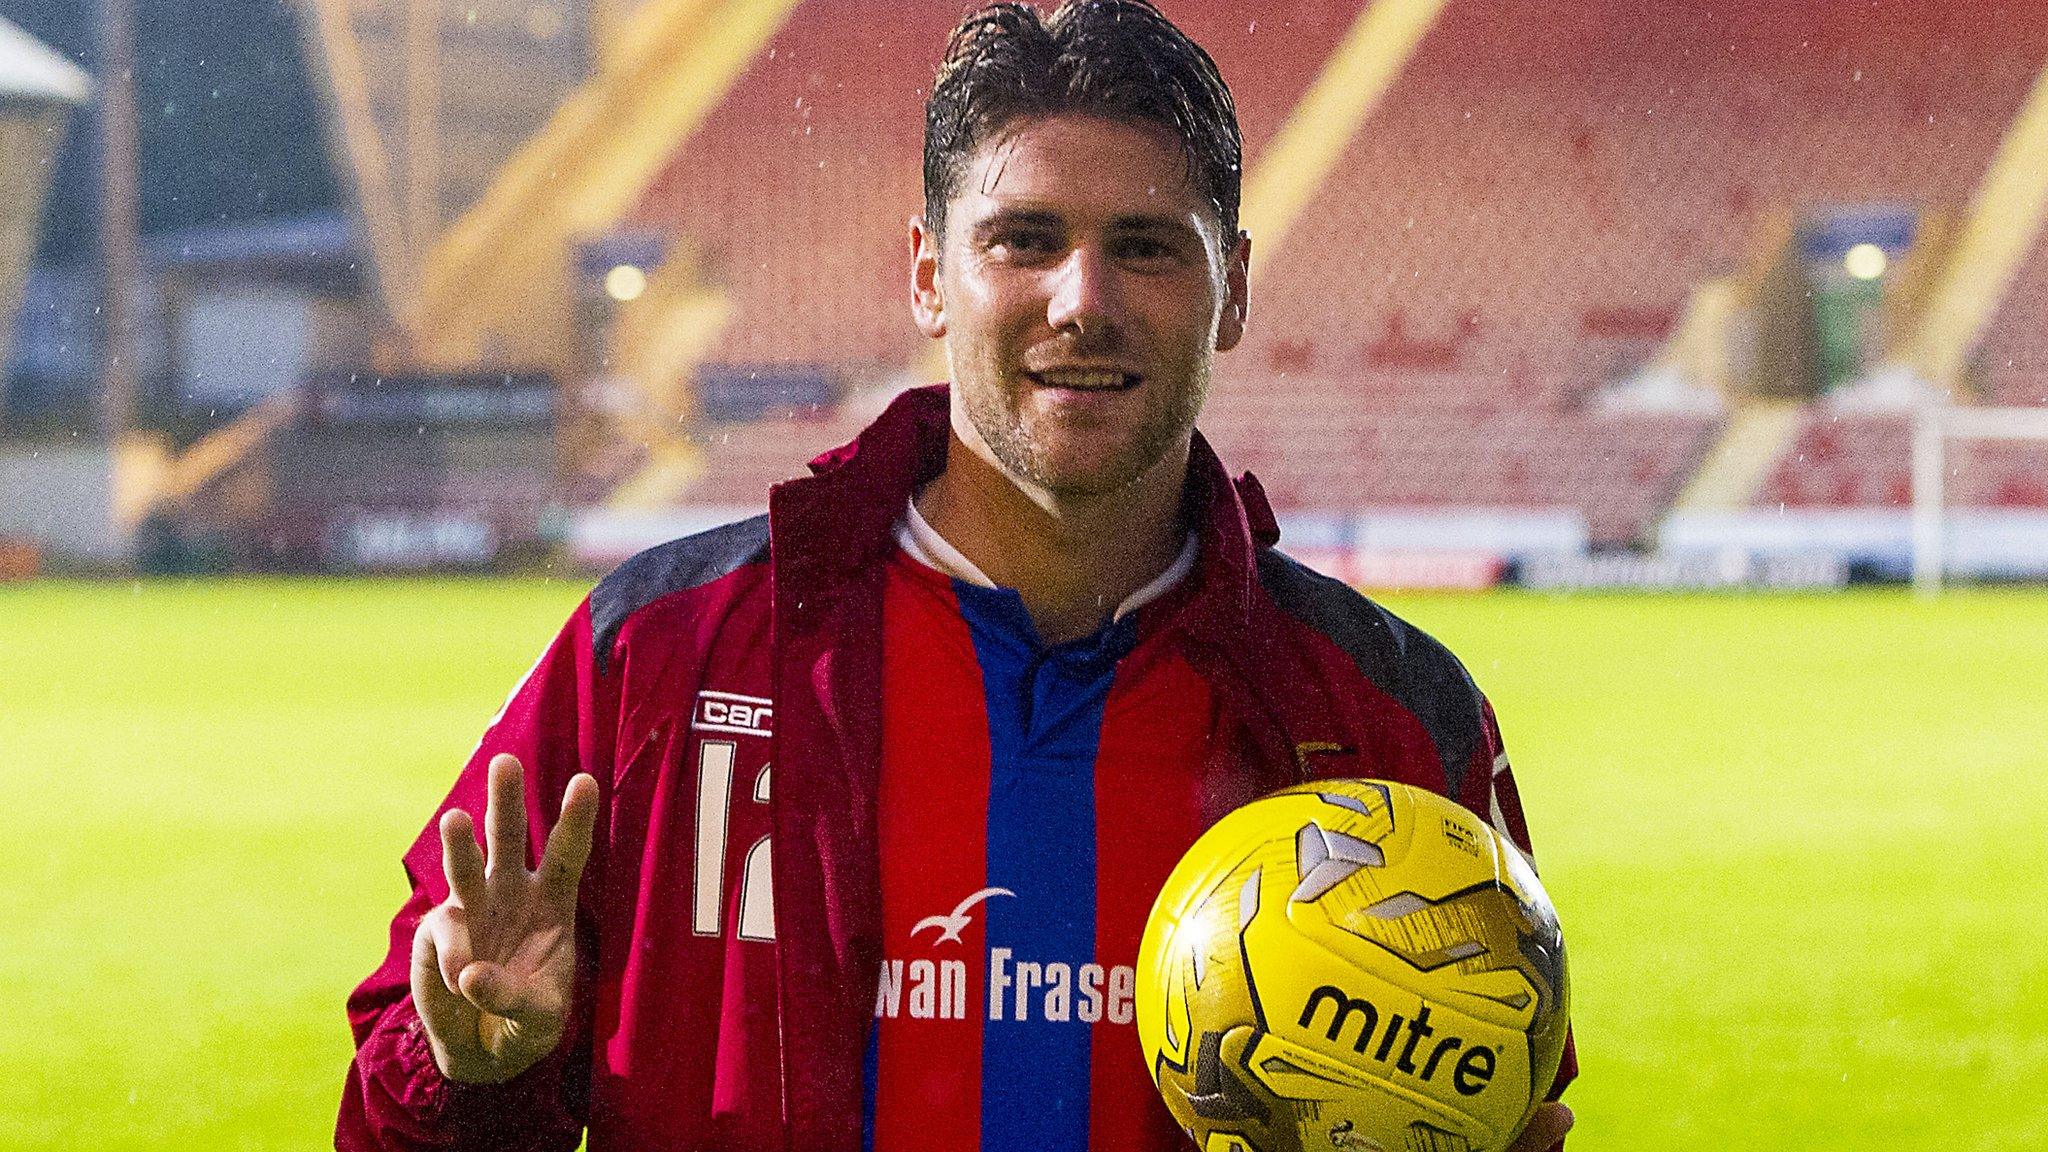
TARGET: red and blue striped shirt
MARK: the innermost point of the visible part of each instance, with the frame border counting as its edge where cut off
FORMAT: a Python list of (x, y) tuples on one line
[(1033, 799)]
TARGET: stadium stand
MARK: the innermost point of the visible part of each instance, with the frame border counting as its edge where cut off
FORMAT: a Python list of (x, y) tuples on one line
[(1616, 471), (1522, 220), (1860, 460), (797, 189), (1517, 226), (2012, 360), (1968, 75), (746, 458)]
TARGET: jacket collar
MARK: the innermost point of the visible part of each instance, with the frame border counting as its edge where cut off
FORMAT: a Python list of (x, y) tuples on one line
[(832, 526), (827, 536)]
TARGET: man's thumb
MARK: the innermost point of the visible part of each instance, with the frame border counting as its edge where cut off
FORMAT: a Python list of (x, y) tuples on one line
[(491, 988), (1546, 1128)]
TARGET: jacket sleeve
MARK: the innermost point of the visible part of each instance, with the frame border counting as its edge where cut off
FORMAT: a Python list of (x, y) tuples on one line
[(561, 719), (1495, 797)]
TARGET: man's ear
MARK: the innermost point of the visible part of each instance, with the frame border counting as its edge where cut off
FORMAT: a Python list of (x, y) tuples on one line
[(927, 306), (1237, 302)]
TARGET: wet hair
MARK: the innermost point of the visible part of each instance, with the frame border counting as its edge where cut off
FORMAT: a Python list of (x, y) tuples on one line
[(1122, 60)]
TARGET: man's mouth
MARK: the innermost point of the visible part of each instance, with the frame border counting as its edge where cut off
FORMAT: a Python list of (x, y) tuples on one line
[(1085, 379)]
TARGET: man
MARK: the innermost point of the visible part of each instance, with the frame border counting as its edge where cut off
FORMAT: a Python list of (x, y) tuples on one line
[(966, 692)]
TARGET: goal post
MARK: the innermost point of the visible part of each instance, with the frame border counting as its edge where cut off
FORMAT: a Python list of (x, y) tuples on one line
[(1933, 428)]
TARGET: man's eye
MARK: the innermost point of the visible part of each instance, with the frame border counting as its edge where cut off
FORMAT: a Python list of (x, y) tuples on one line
[(1025, 245), (1142, 249)]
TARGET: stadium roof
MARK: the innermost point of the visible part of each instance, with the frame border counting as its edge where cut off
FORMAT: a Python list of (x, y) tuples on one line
[(30, 70)]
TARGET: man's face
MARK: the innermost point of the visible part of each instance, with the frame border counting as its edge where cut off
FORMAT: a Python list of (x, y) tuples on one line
[(1083, 292)]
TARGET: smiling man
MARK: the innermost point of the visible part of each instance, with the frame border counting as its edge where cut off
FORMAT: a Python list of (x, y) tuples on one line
[(1083, 285), (852, 813)]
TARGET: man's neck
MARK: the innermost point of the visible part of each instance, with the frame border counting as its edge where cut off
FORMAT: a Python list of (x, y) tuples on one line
[(1072, 559)]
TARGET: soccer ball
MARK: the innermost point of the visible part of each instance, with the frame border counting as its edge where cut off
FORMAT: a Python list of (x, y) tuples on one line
[(1352, 966)]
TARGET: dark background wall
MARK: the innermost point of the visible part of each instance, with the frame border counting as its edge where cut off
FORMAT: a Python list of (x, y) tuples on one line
[(230, 130)]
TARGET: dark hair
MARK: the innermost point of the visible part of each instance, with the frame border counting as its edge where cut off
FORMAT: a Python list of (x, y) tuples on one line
[(1119, 59)]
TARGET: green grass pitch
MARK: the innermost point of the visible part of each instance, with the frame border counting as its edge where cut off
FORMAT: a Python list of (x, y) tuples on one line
[(1797, 844)]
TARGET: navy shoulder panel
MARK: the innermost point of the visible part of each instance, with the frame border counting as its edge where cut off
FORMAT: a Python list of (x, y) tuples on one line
[(677, 566), (1403, 660)]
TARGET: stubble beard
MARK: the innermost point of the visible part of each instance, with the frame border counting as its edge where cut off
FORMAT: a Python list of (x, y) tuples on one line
[(1167, 421)]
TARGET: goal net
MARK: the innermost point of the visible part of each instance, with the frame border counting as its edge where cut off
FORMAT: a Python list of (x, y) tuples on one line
[(1943, 438)]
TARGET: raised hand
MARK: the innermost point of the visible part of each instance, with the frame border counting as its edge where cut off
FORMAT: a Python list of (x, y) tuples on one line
[(493, 967)]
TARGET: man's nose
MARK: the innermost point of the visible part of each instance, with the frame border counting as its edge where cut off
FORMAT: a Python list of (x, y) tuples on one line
[(1084, 293)]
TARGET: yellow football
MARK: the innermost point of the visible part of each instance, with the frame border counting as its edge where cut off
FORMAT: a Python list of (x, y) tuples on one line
[(1348, 966)]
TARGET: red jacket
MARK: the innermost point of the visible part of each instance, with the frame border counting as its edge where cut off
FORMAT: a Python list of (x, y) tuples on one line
[(760, 641)]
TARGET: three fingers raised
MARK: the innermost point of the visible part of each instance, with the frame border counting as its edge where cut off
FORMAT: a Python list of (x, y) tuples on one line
[(502, 943), (568, 846)]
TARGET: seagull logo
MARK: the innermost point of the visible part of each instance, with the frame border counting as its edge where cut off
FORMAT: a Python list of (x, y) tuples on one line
[(950, 926)]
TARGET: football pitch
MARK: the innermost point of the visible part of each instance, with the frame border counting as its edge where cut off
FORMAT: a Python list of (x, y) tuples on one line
[(1797, 844)]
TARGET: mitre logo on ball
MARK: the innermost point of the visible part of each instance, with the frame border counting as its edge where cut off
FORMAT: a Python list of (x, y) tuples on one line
[(1352, 965)]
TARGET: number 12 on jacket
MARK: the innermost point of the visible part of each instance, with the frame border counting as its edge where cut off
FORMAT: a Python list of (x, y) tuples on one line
[(715, 770)]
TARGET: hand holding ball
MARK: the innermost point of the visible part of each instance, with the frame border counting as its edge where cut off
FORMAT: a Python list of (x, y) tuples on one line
[(1351, 966)]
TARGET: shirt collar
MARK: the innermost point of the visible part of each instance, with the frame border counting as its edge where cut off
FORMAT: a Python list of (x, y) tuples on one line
[(829, 529), (923, 544)]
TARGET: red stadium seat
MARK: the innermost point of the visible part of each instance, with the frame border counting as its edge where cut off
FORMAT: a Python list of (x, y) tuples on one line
[(1517, 225)]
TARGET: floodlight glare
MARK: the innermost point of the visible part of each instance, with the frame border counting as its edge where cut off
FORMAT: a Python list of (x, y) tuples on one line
[(625, 283), (1865, 261)]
